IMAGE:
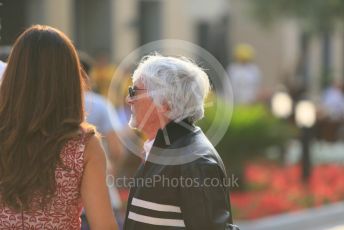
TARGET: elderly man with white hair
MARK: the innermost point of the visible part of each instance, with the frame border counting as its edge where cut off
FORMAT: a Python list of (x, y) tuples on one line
[(181, 183)]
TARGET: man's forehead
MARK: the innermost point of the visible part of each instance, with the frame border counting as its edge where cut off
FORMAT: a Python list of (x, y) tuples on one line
[(138, 83)]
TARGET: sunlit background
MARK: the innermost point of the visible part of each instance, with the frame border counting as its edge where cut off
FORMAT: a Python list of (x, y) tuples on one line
[(285, 59)]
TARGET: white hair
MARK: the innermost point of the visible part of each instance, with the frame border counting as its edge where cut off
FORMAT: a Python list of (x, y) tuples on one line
[(177, 82)]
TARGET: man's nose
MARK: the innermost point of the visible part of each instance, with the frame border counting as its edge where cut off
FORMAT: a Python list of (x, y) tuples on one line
[(129, 100)]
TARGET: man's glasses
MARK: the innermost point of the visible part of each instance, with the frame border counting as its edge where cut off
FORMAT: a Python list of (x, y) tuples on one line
[(132, 91)]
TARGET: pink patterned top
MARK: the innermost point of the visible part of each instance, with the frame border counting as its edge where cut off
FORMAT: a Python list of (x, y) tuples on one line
[(63, 212)]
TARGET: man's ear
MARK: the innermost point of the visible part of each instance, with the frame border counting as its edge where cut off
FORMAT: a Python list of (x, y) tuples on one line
[(165, 107)]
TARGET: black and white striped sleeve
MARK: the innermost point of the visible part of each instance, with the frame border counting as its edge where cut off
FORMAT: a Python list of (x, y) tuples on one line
[(154, 215)]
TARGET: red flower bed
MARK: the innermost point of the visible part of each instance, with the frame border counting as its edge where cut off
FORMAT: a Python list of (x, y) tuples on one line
[(273, 190)]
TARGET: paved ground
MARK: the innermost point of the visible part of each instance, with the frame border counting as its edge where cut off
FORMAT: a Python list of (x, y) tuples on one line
[(329, 217)]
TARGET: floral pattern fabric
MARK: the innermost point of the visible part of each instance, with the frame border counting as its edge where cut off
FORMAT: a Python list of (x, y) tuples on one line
[(64, 210)]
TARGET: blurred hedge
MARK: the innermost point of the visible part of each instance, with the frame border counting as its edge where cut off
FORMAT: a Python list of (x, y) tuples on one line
[(251, 131)]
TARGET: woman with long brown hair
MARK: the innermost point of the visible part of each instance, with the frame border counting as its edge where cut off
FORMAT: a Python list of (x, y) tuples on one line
[(51, 162)]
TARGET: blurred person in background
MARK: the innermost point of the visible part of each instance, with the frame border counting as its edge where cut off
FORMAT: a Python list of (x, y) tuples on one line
[(4, 53), (119, 86), (2, 68), (245, 76), (103, 77), (333, 101), (100, 114), (331, 113), (51, 162), (102, 72)]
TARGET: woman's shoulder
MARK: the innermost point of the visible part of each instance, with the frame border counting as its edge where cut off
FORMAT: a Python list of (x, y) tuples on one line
[(85, 132), (91, 141), (87, 129), (74, 149)]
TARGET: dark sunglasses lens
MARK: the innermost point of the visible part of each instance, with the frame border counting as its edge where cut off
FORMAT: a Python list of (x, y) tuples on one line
[(131, 92)]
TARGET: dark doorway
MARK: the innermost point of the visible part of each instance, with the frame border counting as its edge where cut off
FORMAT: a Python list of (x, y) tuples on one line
[(149, 21), (12, 16), (93, 26)]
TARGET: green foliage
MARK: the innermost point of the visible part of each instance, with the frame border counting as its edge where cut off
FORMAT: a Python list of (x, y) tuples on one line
[(252, 130)]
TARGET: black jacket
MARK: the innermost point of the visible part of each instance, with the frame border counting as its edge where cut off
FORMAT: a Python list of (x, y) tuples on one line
[(180, 186)]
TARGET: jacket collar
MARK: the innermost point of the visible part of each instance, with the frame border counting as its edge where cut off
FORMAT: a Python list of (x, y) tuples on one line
[(172, 132)]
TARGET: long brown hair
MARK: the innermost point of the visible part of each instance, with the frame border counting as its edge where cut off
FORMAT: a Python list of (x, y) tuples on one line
[(41, 107)]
